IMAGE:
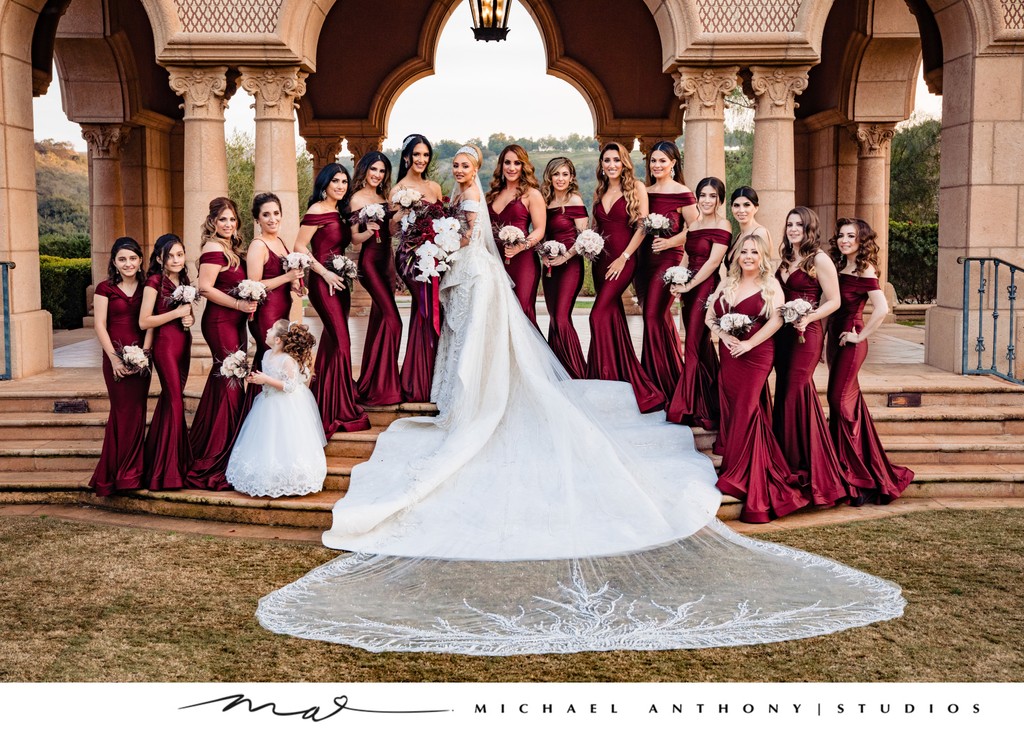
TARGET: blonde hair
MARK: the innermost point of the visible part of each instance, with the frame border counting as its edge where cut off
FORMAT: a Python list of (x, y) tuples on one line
[(765, 277), (547, 188), (627, 180), (474, 154)]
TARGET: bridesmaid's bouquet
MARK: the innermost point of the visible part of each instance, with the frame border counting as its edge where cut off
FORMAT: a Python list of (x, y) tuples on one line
[(406, 198), (371, 213), (251, 290), (551, 248), (735, 324), (793, 310), (658, 225), (184, 295), (343, 266), (235, 368), (297, 261), (589, 244), (134, 358), (677, 275), (510, 236)]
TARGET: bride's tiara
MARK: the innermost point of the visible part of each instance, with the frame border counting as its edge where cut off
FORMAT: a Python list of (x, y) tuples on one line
[(470, 152)]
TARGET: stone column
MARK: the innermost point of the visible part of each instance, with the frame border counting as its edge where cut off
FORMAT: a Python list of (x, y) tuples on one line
[(873, 143), (324, 149), (703, 93), (360, 145), (773, 175), (204, 91), (276, 91), (106, 199)]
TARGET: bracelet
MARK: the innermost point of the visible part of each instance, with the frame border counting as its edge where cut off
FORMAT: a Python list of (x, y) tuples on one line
[(625, 255), (236, 303)]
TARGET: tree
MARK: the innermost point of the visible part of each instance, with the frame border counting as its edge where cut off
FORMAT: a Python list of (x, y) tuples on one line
[(241, 150), (914, 172)]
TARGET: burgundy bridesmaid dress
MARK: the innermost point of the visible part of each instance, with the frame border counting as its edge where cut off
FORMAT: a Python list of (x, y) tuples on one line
[(660, 355), (695, 399), (168, 453), (332, 384), (278, 305), (754, 467), (219, 414), (120, 465), (417, 373), (561, 288), (860, 451), (798, 421), (524, 268), (611, 355), (379, 382)]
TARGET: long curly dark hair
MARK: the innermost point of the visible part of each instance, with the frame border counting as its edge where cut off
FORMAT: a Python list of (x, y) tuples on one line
[(156, 260), (297, 342), (113, 276), (405, 161), (867, 245), (627, 181), (527, 179), (363, 167), (810, 245), (232, 249)]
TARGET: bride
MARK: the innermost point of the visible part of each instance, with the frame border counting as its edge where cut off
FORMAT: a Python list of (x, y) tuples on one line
[(538, 514)]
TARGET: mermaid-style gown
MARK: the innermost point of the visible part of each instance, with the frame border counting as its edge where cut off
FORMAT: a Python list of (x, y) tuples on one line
[(378, 382), (561, 286), (523, 268)]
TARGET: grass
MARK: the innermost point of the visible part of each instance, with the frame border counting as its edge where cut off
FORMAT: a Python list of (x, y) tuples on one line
[(85, 602)]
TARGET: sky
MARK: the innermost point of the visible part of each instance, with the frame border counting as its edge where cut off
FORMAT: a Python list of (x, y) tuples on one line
[(462, 64)]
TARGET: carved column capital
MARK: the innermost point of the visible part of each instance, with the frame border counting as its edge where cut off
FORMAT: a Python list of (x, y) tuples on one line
[(276, 90), (873, 138), (324, 150), (776, 89), (202, 89), (703, 91), (603, 140), (647, 142), (105, 141), (359, 146)]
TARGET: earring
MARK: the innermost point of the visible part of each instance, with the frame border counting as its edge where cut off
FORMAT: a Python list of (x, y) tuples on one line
[(323, 195)]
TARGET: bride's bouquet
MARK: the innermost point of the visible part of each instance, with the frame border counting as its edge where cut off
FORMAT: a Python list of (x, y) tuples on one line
[(735, 324), (297, 261), (432, 257), (677, 275), (134, 358), (342, 265), (551, 248), (370, 213), (510, 236), (793, 310), (589, 244), (252, 290), (235, 368), (658, 225), (183, 295)]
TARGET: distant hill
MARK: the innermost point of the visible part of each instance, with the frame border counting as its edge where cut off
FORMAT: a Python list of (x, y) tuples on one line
[(62, 186)]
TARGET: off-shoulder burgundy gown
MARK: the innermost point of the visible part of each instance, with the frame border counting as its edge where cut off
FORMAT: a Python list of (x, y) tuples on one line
[(332, 384), (561, 287), (220, 408), (798, 421), (523, 268), (378, 375), (168, 453), (695, 399), (120, 464), (278, 305), (753, 467), (861, 455), (611, 353)]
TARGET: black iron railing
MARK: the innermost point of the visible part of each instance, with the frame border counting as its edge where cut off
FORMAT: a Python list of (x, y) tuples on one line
[(5, 294), (990, 317)]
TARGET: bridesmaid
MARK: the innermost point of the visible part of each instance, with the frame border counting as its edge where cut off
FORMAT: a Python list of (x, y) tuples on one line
[(116, 305), (220, 408), (660, 355), (798, 420), (620, 204), (744, 204), (515, 200), (695, 400), (566, 217), (323, 234), (753, 465), (860, 451), (378, 376), (417, 373), (263, 264), (168, 453)]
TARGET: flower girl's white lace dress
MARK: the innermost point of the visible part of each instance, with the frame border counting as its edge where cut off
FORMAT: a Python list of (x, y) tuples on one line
[(280, 449), (541, 514)]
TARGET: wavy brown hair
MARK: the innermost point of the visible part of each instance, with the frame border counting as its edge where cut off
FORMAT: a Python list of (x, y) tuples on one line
[(527, 179), (867, 246), (233, 249), (297, 342), (809, 247), (547, 188), (627, 180)]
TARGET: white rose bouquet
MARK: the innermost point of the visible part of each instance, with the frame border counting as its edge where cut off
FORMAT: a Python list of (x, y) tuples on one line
[(735, 324), (793, 310), (406, 198), (371, 213), (251, 290), (677, 275), (297, 261), (551, 248), (184, 295), (134, 358), (658, 225), (589, 244), (345, 267), (510, 236), (235, 367)]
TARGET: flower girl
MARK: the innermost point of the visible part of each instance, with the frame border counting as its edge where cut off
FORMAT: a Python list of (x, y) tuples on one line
[(279, 450)]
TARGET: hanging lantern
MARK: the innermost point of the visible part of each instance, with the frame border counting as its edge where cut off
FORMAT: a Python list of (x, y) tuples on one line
[(490, 19)]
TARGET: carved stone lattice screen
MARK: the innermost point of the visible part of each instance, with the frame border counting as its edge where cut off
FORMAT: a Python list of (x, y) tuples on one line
[(229, 16), (748, 16), (1013, 14)]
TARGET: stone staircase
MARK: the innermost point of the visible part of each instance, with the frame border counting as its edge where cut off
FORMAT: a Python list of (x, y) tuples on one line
[(966, 439)]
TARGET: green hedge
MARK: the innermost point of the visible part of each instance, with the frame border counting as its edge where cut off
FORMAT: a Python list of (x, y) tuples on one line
[(72, 246), (914, 260), (62, 285)]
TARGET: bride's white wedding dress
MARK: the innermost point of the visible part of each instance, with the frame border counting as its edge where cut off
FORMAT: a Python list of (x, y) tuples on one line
[(538, 514)]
